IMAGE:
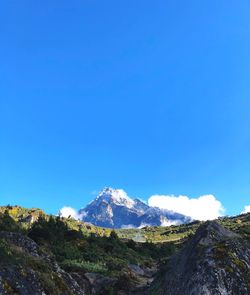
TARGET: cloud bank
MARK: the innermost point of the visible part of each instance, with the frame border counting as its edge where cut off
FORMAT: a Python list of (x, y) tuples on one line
[(205, 207), (246, 209), (69, 211)]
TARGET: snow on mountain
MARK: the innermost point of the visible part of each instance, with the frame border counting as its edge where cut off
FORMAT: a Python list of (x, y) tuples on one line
[(113, 208), (117, 196)]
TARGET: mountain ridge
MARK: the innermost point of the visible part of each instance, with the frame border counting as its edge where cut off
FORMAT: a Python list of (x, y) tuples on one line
[(113, 208)]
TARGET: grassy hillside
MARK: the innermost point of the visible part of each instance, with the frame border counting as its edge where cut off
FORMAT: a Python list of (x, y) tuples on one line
[(83, 248), (26, 217), (78, 247), (175, 233)]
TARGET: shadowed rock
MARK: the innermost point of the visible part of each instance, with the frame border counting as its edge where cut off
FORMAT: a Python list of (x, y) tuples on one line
[(215, 261), (36, 273)]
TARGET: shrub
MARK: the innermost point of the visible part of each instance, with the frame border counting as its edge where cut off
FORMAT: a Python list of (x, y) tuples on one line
[(115, 264), (7, 223), (74, 265)]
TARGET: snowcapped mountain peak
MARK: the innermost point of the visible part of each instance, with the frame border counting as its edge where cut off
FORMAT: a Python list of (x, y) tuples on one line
[(115, 209), (117, 196)]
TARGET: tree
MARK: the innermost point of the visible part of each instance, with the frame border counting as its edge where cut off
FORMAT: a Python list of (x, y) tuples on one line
[(7, 223)]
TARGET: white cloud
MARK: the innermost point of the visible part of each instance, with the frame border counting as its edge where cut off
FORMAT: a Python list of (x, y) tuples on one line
[(205, 207), (246, 209), (69, 211)]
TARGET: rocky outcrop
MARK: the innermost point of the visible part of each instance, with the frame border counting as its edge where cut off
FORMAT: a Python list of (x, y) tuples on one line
[(99, 283), (215, 261), (28, 270)]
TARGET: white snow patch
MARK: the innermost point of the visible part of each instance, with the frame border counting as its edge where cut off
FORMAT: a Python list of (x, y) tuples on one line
[(118, 196)]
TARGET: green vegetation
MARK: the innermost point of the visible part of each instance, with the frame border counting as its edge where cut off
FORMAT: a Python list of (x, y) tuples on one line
[(79, 250), (7, 223), (239, 224), (92, 253), (157, 234), (81, 247), (23, 263)]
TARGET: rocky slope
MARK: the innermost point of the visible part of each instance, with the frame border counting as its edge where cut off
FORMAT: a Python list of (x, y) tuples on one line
[(53, 256), (26, 269), (114, 209), (215, 261), (50, 258)]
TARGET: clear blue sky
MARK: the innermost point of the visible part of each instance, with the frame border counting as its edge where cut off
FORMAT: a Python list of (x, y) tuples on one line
[(149, 96)]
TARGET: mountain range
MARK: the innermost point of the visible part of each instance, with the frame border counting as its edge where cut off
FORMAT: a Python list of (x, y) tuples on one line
[(113, 208)]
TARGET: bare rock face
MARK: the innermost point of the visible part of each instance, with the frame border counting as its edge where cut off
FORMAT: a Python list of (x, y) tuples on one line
[(33, 272), (215, 261)]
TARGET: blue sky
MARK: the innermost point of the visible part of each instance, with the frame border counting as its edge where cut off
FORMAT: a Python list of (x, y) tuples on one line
[(151, 97)]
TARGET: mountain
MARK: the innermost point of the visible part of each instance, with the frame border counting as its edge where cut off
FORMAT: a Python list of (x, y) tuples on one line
[(113, 208), (214, 261), (53, 255)]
